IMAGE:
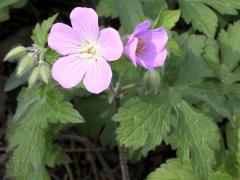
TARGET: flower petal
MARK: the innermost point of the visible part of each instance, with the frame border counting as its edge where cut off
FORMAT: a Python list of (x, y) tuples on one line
[(69, 70), (130, 50), (63, 39), (150, 60), (98, 76), (155, 40), (85, 21), (110, 44), (142, 27)]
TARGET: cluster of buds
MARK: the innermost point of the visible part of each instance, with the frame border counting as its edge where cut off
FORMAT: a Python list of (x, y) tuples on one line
[(30, 60)]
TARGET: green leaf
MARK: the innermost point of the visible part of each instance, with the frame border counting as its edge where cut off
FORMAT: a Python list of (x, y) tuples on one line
[(222, 6), (201, 16), (27, 132), (143, 122), (167, 19), (5, 5), (192, 57), (97, 113), (230, 47), (55, 155), (127, 72), (174, 47), (13, 81), (174, 169), (51, 56), (40, 32), (195, 136), (106, 8), (233, 144), (130, 13), (152, 8), (212, 94)]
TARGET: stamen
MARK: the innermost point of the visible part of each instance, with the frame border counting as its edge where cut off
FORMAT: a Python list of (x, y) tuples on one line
[(140, 46), (91, 50)]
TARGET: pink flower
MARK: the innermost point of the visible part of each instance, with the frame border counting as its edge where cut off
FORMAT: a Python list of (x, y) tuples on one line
[(146, 47), (85, 50)]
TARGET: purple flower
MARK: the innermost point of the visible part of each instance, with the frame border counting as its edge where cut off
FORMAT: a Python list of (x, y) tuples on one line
[(146, 47), (85, 50)]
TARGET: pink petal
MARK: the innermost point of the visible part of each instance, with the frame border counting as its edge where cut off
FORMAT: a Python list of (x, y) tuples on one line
[(69, 70), (63, 39), (85, 21), (110, 44), (155, 40), (142, 27), (130, 50), (151, 60), (98, 76)]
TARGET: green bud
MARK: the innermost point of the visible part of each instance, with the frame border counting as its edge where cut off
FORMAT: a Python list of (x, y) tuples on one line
[(44, 72), (151, 82), (25, 64), (15, 54), (34, 76)]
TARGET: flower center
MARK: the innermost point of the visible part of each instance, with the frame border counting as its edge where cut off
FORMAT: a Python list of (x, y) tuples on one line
[(140, 46), (91, 50)]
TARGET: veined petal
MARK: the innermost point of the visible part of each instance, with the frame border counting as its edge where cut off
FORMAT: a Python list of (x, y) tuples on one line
[(151, 60), (85, 22), (63, 39), (98, 76), (110, 44), (130, 50), (155, 39), (69, 71)]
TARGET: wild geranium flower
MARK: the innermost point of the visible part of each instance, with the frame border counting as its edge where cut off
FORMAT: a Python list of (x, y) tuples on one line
[(86, 51), (146, 47)]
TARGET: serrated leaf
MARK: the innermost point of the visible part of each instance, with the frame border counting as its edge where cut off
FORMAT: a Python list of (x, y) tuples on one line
[(192, 57), (106, 8), (224, 7), (230, 47), (195, 136), (174, 169), (143, 122), (233, 143), (40, 32), (27, 133), (200, 15), (130, 13), (212, 94), (167, 19)]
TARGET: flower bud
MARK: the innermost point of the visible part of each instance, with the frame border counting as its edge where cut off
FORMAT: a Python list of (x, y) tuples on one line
[(25, 64), (15, 54), (34, 76), (151, 82), (44, 72)]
